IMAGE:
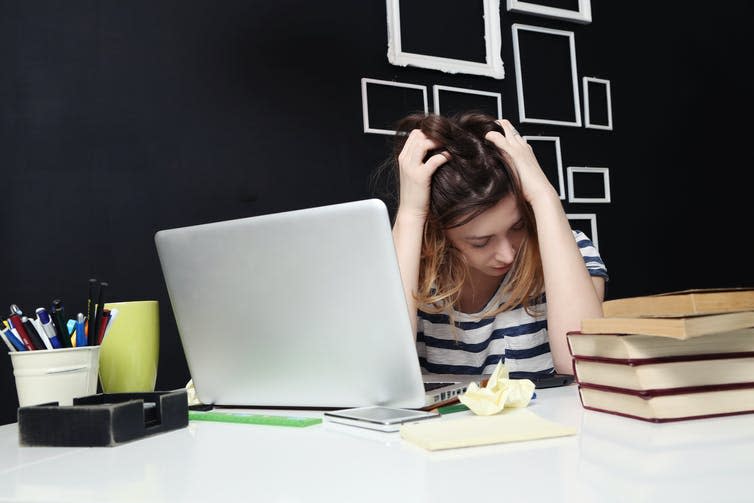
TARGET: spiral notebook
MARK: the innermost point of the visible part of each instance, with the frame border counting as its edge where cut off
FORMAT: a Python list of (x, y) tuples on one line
[(302, 308)]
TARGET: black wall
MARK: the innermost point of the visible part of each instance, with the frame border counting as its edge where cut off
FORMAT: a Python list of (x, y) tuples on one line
[(118, 119)]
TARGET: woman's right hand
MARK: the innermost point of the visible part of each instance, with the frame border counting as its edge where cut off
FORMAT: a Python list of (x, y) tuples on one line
[(416, 175)]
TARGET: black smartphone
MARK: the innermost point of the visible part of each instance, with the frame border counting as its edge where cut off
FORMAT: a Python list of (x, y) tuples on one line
[(552, 380)]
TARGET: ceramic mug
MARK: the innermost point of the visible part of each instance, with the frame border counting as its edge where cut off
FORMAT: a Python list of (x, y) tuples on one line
[(131, 348)]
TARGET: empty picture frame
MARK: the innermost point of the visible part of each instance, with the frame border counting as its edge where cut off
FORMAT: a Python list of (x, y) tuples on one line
[(408, 98), (547, 151), (588, 185), (491, 102), (598, 108), (399, 51), (546, 76), (586, 223), (555, 9)]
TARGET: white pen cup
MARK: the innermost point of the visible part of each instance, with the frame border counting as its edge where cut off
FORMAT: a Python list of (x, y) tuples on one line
[(55, 375)]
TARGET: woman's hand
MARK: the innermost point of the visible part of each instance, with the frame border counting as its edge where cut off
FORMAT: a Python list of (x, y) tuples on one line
[(416, 175), (520, 157)]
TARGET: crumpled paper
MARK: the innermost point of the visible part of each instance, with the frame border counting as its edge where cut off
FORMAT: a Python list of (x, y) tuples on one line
[(498, 393)]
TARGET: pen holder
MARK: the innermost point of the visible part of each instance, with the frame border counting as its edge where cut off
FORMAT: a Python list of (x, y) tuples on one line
[(130, 350), (55, 375)]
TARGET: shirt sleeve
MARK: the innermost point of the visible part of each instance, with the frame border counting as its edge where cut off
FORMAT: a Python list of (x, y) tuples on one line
[(591, 256)]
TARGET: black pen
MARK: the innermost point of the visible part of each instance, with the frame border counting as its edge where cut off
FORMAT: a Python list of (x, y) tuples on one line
[(58, 319), (91, 335), (98, 316), (31, 331)]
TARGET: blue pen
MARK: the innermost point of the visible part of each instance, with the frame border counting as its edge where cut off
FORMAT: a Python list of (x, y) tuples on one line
[(44, 319), (14, 339), (80, 331)]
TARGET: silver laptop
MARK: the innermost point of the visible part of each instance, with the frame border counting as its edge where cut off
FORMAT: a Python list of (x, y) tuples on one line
[(302, 308)]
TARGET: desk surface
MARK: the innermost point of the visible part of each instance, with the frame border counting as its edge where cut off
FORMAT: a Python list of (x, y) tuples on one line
[(610, 459)]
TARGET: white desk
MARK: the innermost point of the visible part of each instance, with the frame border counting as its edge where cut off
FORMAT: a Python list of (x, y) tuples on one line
[(610, 459)]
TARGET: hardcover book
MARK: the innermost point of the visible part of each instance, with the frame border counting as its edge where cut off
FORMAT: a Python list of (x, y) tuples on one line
[(682, 303), (678, 328), (647, 375), (642, 347), (670, 404)]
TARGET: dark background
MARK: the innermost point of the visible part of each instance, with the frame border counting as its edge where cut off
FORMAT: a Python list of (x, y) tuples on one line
[(118, 119)]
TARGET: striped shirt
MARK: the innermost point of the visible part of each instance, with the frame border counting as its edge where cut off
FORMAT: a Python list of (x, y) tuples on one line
[(476, 345)]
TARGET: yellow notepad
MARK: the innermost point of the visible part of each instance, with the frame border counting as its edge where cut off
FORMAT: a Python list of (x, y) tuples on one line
[(510, 425)]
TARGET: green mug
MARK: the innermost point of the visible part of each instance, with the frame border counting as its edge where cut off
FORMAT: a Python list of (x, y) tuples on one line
[(130, 350)]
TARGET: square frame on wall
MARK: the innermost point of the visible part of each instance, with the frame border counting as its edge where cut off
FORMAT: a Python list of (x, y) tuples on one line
[(583, 14), (592, 219), (368, 128), (436, 97), (601, 173), (589, 122), (493, 67)]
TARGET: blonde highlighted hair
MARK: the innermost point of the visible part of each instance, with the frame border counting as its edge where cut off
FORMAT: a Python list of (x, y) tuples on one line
[(473, 180)]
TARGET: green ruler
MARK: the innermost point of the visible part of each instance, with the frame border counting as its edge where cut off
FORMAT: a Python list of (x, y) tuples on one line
[(245, 418)]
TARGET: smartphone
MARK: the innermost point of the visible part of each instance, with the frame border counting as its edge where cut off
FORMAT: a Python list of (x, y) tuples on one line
[(552, 380), (378, 417)]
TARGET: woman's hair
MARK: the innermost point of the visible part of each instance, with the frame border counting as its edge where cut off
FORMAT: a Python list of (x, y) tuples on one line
[(473, 180)]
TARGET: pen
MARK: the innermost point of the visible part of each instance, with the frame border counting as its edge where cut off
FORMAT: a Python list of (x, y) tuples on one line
[(90, 309), (80, 331), (102, 325), (49, 329), (15, 322), (11, 347), (14, 339), (94, 334), (113, 315), (36, 339), (40, 331), (58, 320)]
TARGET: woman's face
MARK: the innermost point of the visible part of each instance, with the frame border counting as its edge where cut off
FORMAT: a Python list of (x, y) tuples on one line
[(491, 240)]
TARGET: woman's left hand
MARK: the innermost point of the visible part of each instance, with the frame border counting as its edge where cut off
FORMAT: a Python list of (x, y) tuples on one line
[(518, 154)]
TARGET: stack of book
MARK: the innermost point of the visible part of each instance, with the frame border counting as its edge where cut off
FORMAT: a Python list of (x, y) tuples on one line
[(669, 357)]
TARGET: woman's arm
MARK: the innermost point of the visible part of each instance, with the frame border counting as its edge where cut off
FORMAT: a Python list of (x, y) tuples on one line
[(572, 294), (414, 180)]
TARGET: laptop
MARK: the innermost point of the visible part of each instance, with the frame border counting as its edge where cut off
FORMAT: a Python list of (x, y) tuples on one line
[(302, 308)]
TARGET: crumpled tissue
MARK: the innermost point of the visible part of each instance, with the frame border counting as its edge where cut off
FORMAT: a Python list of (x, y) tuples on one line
[(498, 393)]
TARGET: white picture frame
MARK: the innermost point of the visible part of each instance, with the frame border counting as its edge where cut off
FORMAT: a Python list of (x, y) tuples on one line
[(493, 66), (586, 81), (436, 97), (582, 15), (569, 36), (592, 218), (558, 159), (365, 101), (603, 172)]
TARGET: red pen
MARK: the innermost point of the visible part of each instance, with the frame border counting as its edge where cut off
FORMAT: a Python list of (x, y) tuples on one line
[(102, 325), (15, 321)]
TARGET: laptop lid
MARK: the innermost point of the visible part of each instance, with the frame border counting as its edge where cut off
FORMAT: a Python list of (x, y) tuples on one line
[(302, 308)]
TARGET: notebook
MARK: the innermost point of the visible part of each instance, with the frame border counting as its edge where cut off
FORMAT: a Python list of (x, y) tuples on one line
[(302, 308)]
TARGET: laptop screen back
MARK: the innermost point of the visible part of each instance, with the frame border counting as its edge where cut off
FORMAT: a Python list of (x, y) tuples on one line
[(302, 308)]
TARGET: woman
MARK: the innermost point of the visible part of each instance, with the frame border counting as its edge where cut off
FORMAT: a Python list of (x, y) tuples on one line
[(481, 236)]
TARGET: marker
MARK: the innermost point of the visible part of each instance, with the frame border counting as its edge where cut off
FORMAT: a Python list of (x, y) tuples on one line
[(49, 329), (11, 347), (94, 334), (42, 334), (16, 324), (36, 339), (80, 331), (113, 315), (58, 320), (90, 317)]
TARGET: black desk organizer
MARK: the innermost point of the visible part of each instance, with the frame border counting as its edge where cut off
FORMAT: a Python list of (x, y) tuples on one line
[(102, 420)]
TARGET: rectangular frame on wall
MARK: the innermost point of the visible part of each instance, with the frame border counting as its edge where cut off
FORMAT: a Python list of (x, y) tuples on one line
[(365, 101), (582, 15), (586, 81), (592, 218), (436, 97), (558, 159), (569, 35), (605, 172), (493, 67)]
